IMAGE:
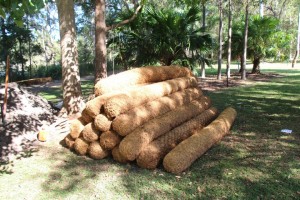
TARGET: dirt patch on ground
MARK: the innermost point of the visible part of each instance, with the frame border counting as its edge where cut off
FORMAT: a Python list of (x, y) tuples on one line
[(27, 113), (210, 83)]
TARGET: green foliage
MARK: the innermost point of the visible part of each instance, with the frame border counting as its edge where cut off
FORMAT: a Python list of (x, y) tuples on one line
[(265, 39), (163, 36), (18, 8)]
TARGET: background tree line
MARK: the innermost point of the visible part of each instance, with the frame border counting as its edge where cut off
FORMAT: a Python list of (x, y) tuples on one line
[(120, 34)]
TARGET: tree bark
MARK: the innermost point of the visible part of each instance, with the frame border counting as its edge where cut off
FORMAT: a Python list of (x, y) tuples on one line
[(256, 63), (220, 40), (261, 8), (72, 96), (229, 39), (203, 26), (298, 42), (244, 59), (100, 41)]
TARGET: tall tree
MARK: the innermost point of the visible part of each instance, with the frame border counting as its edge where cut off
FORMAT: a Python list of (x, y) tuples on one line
[(100, 41), (261, 8), (298, 42), (220, 40), (229, 39), (72, 96), (245, 40), (100, 35), (203, 2)]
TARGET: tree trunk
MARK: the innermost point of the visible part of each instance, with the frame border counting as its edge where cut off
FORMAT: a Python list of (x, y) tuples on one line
[(244, 59), (261, 8), (256, 63), (100, 41), (22, 59), (229, 40), (72, 96), (298, 42), (203, 26), (220, 40)]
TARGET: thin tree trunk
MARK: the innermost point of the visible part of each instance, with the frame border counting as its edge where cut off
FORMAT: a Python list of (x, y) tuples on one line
[(220, 40), (22, 60), (29, 49), (256, 63), (261, 8), (298, 42), (203, 26), (72, 96), (100, 41), (243, 66), (229, 40)]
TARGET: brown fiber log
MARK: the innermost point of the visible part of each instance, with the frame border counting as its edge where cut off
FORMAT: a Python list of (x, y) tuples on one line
[(125, 123), (102, 123), (86, 117), (184, 154), (81, 146), (140, 75), (118, 156), (69, 141), (135, 142), (95, 151), (150, 157), (109, 139), (76, 126), (90, 133), (124, 102), (93, 107)]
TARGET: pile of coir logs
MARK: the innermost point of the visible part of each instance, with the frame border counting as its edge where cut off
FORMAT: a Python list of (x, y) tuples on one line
[(149, 115)]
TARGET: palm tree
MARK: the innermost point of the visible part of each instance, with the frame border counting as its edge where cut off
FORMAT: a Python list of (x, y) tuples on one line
[(166, 37)]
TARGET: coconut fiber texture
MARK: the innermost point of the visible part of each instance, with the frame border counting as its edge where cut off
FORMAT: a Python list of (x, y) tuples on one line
[(184, 154), (93, 107), (81, 146), (76, 126), (102, 123), (125, 123), (90, 133), (118, 156), (109, 139), (69, 141), (124, 102), (150, 157), (135, 142), (95, 151), (140, 75)]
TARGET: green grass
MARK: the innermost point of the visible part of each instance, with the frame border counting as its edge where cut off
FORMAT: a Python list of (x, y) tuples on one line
[(54, 94), (256, 161)]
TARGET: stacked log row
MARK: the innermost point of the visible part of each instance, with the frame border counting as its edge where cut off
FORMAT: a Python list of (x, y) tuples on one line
[(141, 115)]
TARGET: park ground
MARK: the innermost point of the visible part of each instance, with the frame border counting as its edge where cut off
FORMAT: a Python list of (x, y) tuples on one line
[(255, 161)]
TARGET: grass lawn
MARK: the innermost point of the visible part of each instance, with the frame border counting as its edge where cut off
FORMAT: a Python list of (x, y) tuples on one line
[(256, 161)]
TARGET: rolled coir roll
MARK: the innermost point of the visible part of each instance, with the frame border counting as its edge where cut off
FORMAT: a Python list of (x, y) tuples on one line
[(184, 154), (135, 142), (124, 102), (140, 75), (125, 123), (90, 133), (96, 151), (109, 139), (76, 126), (81, 146), (102, 123), (150, 157)]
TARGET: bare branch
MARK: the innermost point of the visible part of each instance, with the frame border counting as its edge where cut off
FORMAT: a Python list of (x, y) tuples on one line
[(122, 23)]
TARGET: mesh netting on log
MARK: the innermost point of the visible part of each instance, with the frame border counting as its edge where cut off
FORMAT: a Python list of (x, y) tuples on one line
[(109, 139), (150, 157), (125, 123), (124, 102), (140, 75), (135, 142), (184, 154), (95, 151)]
